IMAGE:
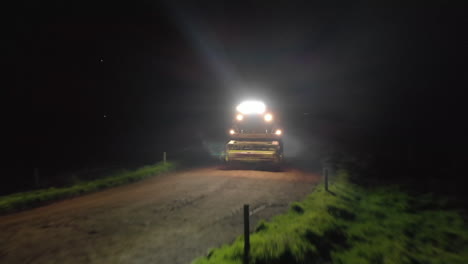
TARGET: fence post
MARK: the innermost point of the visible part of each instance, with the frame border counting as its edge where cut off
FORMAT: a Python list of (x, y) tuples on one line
[(164, 157), (326, 178), (246, 234)]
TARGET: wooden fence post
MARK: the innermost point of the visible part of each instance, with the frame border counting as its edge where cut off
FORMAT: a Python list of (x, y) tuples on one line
[(246, 234), (326, 179)]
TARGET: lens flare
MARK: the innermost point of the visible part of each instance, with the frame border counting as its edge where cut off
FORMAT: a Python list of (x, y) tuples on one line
[(240, 117), (251, 107), (268, 117)]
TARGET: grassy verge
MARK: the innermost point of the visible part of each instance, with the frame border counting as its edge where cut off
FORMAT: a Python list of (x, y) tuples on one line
[(356, 225), (25, 200)]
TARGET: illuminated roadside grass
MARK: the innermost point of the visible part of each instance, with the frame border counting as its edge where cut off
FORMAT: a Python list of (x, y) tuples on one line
[(25, 200), (355, 225)]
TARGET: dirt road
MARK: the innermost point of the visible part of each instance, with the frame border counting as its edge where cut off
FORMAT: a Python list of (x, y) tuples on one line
[(171, 218)]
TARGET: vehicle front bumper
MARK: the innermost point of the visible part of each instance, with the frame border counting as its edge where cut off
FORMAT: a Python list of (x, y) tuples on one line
[(253, 158)]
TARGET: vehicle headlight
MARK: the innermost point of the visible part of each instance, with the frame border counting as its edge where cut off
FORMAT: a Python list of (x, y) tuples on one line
[(268, 117), (232, 132), (240, 117), (278, 132)]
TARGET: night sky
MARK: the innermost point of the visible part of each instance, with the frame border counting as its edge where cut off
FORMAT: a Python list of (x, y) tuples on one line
[(118, 83)]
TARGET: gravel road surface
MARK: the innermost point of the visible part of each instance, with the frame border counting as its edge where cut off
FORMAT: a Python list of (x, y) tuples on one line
[(171, 218)]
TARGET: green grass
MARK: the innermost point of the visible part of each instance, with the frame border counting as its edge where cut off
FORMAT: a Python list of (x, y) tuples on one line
[(25, 200), (355, 225)]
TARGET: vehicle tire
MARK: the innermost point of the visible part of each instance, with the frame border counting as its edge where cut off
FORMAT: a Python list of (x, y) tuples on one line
[(227, 165), (276, 167)]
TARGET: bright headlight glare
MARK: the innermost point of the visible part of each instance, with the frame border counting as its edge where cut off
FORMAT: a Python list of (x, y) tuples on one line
[(251, 107), (278, 132), (240, 117), (232, 132), (268, 117)]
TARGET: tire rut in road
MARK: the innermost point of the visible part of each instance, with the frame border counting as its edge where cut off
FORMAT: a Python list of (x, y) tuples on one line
[(178, 204), (255, 208)]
